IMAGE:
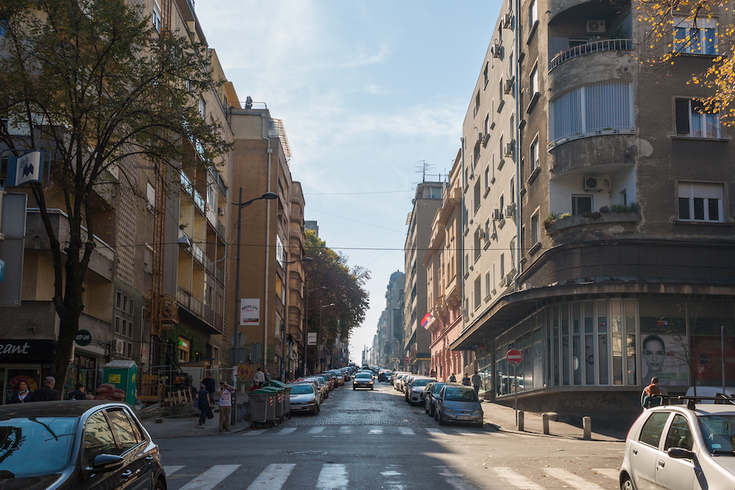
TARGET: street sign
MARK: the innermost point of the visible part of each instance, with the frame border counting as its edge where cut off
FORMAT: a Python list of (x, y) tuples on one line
[(311, 338), (514, 357), (407, 359), (83, 337)]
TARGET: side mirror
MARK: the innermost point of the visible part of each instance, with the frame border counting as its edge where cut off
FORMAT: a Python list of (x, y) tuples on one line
[(104, 463), (680, 453)]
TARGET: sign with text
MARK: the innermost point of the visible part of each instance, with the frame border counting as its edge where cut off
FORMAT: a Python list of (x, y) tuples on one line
[(250, 312), (25, 351), (514, 356), (83, 337), (311, 338)]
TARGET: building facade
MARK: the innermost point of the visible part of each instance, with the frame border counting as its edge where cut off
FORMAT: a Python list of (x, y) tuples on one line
[(619, 250)]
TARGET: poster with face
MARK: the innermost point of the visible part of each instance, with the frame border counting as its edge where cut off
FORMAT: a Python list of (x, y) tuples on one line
[(664, 356)]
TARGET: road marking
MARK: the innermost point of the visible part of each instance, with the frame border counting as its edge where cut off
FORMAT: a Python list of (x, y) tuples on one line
[(515, 479), (285, 431), (211, 477), (571, 479), (608, 472), (272, 477), (170, 470), (254, 432), (333, 477), (379, 430), (345, 429), (317, 430), (406, 431), (392, 478), (433, 430), (454, 479)]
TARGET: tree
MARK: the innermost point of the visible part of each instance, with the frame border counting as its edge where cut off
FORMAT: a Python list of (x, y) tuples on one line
[(98, 87), (333, 282), (663, 18)]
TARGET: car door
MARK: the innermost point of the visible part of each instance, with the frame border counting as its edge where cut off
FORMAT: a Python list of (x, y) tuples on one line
[(644, 451), (99, 439), (136, 474), (672, 473)]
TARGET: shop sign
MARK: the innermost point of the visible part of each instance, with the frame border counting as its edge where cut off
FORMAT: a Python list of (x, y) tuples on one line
[(83, 338), (19, 350)]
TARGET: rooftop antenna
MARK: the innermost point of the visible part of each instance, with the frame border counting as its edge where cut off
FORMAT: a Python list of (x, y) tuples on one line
[(422, 169)]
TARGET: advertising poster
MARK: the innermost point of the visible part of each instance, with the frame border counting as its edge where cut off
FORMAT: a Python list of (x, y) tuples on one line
[(708, 358), (250, 312), (664, 357)]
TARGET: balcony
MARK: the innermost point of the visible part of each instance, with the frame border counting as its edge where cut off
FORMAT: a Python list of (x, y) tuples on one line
[(199, 310), (591, 48)]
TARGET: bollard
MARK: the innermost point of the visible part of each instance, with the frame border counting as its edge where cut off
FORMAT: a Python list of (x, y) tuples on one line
[(521, 424), (545, 423), (587, 424)]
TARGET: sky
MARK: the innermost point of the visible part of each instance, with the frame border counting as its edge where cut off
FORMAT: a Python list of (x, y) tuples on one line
[(370, 93)]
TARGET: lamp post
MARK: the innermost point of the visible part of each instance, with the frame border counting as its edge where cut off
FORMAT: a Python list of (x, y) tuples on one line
[(284, 334), (306, 323), (319, 332), (267, 196)]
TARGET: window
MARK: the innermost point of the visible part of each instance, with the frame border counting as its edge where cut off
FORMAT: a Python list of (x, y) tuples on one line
[(477, 245), (487, 177), (477, 195), (485, 73), (581, 204), (477, 102), (652, 429), (121, 424), (117, 324), (98, 438), (156, 16), (700, 202), (502, 266), (478, 293), (695, 37), (488, 284), (692, 120), (148, 259), (151, 195), (591, 110), (534, 81), (532, 14), (202, 108), (487, 125), (534, 156), (679, 434)]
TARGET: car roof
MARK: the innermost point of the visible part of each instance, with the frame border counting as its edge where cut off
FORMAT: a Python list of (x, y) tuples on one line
[(67, 408), (701, 410)]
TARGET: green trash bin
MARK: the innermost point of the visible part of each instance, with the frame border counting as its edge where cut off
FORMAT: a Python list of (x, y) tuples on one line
[(285, 399), (262, 406), (278, 392)]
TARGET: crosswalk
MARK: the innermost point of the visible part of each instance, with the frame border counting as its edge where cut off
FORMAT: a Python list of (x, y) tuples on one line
[(333, 476), (323, 430)]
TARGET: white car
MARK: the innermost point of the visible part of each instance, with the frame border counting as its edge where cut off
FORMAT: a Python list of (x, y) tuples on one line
[(681, 447)]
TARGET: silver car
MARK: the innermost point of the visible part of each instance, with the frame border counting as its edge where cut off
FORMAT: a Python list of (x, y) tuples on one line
[(458, 404), (415, 391), (304, 398), (680, 447)]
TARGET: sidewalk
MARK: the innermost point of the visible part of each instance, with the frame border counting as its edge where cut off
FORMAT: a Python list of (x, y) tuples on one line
[(172, 427), (504, 419)]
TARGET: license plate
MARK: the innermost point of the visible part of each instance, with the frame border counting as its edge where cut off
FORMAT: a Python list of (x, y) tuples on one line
[(464, 417)]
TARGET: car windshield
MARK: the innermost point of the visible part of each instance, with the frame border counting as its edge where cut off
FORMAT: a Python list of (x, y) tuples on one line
[(437, 387), (302, 389), (364, 375), (21, 439), (718, 432), (460, 395), (421, 382)]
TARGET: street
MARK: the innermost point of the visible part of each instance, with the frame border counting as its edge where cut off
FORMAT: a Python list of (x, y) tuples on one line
[(373, 439)]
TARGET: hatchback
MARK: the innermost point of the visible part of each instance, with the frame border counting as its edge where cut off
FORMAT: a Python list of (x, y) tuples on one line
[(77, 444), (415, 391), (304, 398), (430, 393), (681, 447), (458, 404)]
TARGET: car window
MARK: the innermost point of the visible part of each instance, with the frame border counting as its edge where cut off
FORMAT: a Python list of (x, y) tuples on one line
[(136, 427), (23, 438), (653, 427), (718, 432), (98, 438), (679, 434), (125, 433)]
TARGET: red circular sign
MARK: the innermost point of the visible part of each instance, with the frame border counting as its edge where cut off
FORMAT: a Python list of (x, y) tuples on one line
[(514, 356)]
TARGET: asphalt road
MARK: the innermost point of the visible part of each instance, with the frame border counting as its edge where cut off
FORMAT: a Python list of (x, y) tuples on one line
[(374, 440)]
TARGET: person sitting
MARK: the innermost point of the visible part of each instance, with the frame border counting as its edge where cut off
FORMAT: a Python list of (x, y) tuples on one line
[(651, 396)]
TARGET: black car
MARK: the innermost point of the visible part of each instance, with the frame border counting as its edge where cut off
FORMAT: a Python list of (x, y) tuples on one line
[(77, 444)]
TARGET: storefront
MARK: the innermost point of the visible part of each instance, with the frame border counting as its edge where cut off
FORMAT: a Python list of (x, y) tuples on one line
[(23, 359)]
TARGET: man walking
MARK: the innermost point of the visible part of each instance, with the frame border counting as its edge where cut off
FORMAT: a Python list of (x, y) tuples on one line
[(259, 378), (202, 402), (476, 382), (46, 392), (225, 405)]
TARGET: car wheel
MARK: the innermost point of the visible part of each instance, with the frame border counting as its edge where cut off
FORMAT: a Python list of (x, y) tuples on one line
[(353, 388), (159, 485), (371, 388), (441, 419), (626, 484)]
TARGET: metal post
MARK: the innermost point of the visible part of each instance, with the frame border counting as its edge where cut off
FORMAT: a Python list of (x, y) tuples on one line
[(515, 389), (233, 413), (722, 356), (306, 329)]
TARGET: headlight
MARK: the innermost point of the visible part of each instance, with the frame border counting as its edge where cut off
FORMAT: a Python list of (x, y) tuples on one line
[(477, 410), (447, 409)]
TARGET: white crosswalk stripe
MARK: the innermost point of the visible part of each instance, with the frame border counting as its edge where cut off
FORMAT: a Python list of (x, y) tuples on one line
[(375, 431), (345, 429), (210, 478), (515, 479), (454, 479), (286, 431), (572, 480), (254, 432), (273, 477), (406, 431), (170, 470), (317, 430), (333, 477), (608, 472)]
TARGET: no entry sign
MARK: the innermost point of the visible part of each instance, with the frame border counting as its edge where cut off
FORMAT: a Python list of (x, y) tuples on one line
[(514, 356)]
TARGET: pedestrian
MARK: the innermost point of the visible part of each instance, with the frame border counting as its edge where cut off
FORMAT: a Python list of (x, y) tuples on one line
[(465, 380), (209, 385), (259, 377), (46, 392), (651, 396), (267, 375), (476, 382), (452, 378), (225, 405), (202, 403), (23, 393), (77, 393)]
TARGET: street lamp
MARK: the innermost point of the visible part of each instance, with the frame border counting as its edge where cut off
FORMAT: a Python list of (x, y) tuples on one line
[(319, 333), (284, 334), (267, 196), (306, 323)]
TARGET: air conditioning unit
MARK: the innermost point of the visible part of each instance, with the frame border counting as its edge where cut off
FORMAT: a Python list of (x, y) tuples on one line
[(510, 210), (596, 27), (496, 214), (509, 148), (118, 346), (508, 87), (497, 49), (508, 20), (596, 183), (150, 207), (221, 211)]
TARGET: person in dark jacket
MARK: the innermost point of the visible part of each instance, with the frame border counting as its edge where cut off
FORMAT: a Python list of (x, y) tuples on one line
[(46, 392), (77, 393), (23, 394), (202, 400)]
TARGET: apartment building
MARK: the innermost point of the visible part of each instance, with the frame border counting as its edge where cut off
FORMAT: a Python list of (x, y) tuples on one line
[(415, 350), (444, 278), (619, 251), (389, 333)]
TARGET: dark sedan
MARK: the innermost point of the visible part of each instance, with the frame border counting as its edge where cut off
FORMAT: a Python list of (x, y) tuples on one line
[(77, 444)]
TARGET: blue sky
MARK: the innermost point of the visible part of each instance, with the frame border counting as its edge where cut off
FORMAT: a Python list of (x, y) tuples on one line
[(367, 91)]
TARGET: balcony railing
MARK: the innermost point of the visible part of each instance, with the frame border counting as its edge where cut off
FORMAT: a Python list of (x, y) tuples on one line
[(590, 48), (196, 307)]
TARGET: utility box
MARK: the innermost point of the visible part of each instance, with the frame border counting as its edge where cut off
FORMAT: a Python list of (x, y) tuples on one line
[(122, 375)]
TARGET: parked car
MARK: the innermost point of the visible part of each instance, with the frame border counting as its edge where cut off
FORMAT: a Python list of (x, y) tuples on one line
[(681, 447), (304, 398), (415, 391), (321, 383), (362, 380), (430, 392), (338, 376), (397, 377), (456, 403), (312, 382), (80, 444)]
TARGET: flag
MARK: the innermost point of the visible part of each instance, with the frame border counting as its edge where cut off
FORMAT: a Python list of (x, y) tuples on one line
[(427, 319)]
